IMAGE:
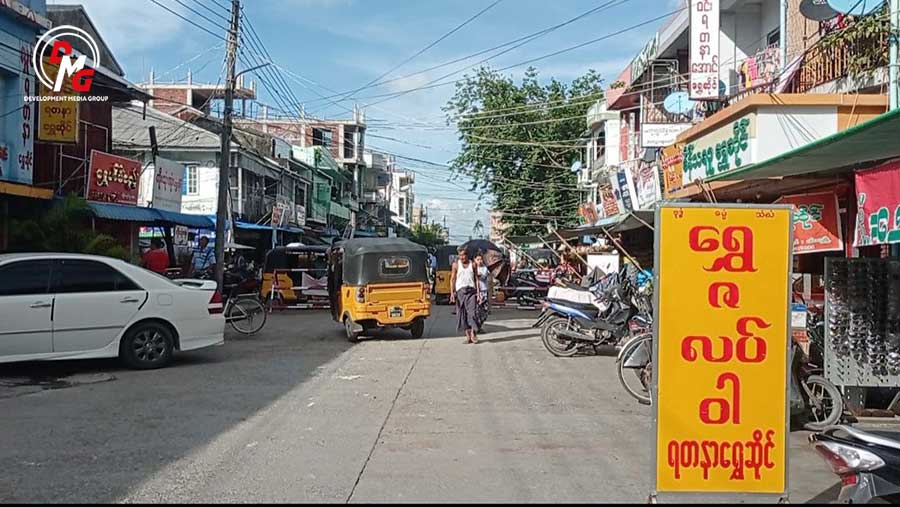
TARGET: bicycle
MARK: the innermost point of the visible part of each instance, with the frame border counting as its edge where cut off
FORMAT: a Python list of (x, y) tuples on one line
[(246, 313)]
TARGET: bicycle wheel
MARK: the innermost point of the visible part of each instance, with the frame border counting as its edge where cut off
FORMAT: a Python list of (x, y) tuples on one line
[(247, 316), (639, 375)]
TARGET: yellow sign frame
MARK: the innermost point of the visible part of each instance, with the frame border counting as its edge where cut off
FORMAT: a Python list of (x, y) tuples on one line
[(733, 264), (58, 121)]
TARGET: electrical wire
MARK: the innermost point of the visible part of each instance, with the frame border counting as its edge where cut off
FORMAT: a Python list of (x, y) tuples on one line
[(188, 20)]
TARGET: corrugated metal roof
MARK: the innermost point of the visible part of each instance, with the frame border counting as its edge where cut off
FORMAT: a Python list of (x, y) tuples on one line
[(124, 213), (148, 215), (130, 130)]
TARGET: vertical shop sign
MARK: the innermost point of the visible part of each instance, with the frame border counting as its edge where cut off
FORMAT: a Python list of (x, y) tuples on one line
[(608, 200), (721, 348), (57, 119), (704, 49), (817, 226), (878, 203), (672, 167)]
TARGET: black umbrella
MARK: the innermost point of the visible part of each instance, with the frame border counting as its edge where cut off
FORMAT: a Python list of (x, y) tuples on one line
[(494, 258), (817, 10)]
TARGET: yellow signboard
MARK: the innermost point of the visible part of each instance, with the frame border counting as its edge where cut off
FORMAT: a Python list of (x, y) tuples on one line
[(722, 347), (57, 119)]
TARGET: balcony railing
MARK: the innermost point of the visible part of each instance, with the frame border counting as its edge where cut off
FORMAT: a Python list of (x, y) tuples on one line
[(825, 63)]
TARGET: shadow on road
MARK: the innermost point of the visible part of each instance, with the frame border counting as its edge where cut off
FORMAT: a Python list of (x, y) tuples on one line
[(96, 442)]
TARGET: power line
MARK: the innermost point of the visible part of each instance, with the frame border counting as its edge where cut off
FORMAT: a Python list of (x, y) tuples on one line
[(188, 20), (423, 50)]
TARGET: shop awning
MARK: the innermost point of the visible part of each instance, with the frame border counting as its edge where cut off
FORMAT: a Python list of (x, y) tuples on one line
[(618, 223), (876, 139), (125, 213), (187, 220), (21, 190), (142, 215)]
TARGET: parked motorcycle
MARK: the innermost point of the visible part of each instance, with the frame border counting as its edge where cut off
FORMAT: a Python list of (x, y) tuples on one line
[(868, 463), (526, 289), (620, 310)]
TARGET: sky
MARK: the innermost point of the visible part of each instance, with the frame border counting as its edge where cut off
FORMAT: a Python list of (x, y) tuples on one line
[(326, 46)]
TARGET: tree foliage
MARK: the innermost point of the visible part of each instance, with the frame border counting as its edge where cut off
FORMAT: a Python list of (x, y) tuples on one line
[(64, 229), (519, 141), (429, 235)]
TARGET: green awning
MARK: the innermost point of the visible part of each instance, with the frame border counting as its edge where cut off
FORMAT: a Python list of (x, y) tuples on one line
[(876, 139)]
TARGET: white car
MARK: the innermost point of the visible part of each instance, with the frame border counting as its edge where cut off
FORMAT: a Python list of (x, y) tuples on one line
[(72, 306)]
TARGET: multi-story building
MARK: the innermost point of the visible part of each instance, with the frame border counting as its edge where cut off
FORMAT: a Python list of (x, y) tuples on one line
[(375, 213)]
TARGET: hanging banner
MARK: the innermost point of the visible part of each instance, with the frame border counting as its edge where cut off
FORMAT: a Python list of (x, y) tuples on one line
[(704, 49), (168, 180), (588, 212), (645, 176), (878, 205), (720, 378), (817, 222), (113, 179), (672, 167)]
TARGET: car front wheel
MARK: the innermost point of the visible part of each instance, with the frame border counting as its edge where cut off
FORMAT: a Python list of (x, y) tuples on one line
[(147, 346)]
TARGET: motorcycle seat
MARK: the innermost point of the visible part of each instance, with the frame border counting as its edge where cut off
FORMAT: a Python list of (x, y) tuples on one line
[(586, 308)]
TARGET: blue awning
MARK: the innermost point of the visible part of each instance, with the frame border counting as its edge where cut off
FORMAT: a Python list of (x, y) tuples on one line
[(148, 215), (187, 220), (124, 213)]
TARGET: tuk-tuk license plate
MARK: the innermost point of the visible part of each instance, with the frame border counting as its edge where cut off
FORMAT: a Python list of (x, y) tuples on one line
[(396, 312)]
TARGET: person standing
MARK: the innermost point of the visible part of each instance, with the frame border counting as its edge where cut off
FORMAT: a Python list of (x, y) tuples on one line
[(485, 286), (465, 294), (157, 258), (204, 257)]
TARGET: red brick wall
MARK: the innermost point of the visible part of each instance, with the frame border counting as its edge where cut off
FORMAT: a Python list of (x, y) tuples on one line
[(169, 98)]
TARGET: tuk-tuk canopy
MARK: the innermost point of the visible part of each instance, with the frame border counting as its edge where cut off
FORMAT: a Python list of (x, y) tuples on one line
[(382, 260), (444, 256), (286, 257)]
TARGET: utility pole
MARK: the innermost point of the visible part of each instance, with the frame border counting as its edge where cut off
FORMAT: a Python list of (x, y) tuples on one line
[(222, 214), (894, 81)]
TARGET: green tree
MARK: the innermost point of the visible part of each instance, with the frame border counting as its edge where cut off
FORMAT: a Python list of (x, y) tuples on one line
[(519, 140), (429, 235), (63, 228)]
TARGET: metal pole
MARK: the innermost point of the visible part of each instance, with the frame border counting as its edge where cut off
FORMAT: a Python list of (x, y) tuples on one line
[(894, 88), (782, 37), (225, 163)]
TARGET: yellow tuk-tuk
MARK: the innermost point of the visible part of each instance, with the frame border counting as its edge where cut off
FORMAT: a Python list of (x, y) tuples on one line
[(445, 255), (296, 273), (376, 283)]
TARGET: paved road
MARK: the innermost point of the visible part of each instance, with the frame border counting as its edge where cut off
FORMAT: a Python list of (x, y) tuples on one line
[(298, 414)]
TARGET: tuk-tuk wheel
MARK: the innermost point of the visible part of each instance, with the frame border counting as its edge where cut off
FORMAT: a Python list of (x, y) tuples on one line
[(418, 328), (352, 335)]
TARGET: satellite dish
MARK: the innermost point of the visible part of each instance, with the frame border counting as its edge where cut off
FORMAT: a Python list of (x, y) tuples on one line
[(817, 10), (678, 103), (855, 7), (576, 166)]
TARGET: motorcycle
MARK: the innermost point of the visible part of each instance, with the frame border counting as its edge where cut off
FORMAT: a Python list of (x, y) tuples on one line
[(526, 289), (619, 311), (868, 463)]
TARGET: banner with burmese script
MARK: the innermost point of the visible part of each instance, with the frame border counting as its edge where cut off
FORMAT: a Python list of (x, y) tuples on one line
[(721, 348)]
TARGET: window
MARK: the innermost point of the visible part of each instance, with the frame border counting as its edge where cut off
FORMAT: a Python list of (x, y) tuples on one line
[(190, 181), (25, 278), (322, 137), (394, 266), (90, 276), (402, 210), (349, 143), (774, 37)]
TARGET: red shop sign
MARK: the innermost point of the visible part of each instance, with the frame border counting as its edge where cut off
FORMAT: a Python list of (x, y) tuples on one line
[(878, 204), (113, 179), (817, 225)]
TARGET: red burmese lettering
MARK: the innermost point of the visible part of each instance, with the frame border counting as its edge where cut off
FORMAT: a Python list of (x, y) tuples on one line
[(747, 335), (738, 242), (727, 293), (688, 353), (701, 244), (728, 410)]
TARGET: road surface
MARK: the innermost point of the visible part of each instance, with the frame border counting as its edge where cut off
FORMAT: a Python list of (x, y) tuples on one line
[(298, 414)]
